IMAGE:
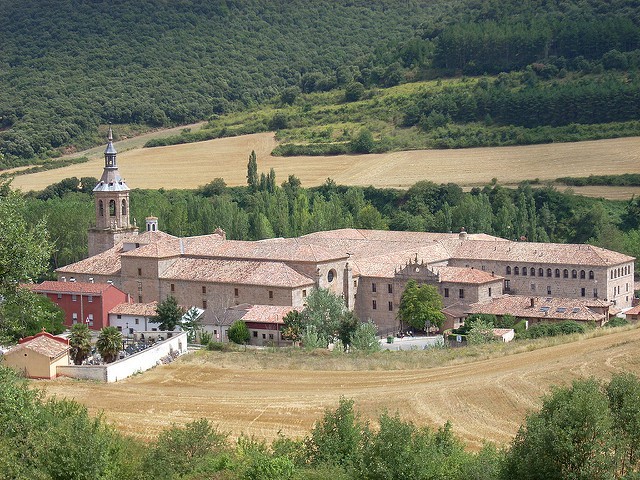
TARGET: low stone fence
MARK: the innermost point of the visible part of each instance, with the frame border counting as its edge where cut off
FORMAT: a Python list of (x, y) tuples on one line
[(139, 362)]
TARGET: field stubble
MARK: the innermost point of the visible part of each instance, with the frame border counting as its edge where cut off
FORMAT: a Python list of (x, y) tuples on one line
[(485, 392), (194, 164)]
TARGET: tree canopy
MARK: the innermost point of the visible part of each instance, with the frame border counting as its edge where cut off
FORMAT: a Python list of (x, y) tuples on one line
[(168, 314), (421, 305)]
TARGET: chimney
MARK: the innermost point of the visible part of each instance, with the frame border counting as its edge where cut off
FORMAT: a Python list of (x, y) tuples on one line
[(110, 282), (72, 279), (63, 279), (90, 279), (463, 234)]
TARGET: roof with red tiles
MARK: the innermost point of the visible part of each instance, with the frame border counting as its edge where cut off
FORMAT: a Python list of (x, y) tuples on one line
[(265, 313), (141, 309), (530, 252), (633, 311), (550, 308), (249, 272), (466, 275), (43, 343), (50, 286), (105, 263)]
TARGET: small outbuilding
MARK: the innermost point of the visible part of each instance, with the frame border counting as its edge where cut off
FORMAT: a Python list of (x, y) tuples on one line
[(39, 356)]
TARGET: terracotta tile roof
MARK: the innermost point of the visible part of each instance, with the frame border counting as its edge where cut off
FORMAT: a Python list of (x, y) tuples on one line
[(44, 344), (457, 310), (529, 252), (385, 265), (392, 235), (105, 263), (142, 309), (265, 313), (550, 308), (281, 249), (633, 311), (248, 272), (50, 286), (465, 275)]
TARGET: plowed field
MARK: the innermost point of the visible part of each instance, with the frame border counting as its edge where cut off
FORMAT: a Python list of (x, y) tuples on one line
[(195, 164), (485, 399)]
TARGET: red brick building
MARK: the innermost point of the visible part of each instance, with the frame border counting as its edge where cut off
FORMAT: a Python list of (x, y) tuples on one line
[(83, 302)]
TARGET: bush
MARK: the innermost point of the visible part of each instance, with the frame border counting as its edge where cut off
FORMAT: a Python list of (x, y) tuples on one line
[(218, 346), (616, 322), (239, 333)]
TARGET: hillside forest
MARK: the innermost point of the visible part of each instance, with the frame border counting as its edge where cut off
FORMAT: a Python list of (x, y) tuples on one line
[(525, 72)]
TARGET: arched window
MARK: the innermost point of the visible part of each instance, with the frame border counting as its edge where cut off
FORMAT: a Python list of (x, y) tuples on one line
[(574, 273), (565, 273), (112, 208), (541, 272), (533, 272), (124, 207), (582, 275), (548, 272), (508, 270), (557, 273), (590, 274), (516, 271), (524, 271), (101, 208)]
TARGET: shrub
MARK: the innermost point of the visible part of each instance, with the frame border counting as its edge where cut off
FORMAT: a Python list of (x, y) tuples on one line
[(239, 333)]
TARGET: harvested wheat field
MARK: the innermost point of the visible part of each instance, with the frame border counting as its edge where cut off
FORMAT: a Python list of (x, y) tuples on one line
[(195, 164), (262, 393)]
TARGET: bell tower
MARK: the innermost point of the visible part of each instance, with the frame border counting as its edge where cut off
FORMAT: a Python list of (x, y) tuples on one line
[(112, 205)]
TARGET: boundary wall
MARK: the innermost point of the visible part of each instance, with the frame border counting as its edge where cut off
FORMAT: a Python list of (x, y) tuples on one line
[(137, 363)]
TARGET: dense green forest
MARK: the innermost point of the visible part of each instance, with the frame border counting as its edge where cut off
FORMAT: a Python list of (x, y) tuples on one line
[(584, 431), (268, 209), (68, 66)]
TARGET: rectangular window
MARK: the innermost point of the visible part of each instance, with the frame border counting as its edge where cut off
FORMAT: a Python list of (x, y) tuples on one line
[(533, 287), (137, 321), (74, 298), (90, 319), (173, 287), (446, 293), (373, 287), (139, 272), (270, 293), (489, 291), (90, 299), (548, 289), (59, 296), (139, 298), (507, 285), (235, 292), (304, 294), (375, 305), (204, 289), (255, 334), (119, 316), (390, 288), (264, 336), (204, 304), (355, 283), (74, 316), (271, 336), (461, 293), (583, 292), (119, 328), (595, 293), (391, 306)]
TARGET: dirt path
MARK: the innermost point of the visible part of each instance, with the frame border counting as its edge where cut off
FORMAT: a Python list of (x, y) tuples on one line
[(195, 164), (485, 400)]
